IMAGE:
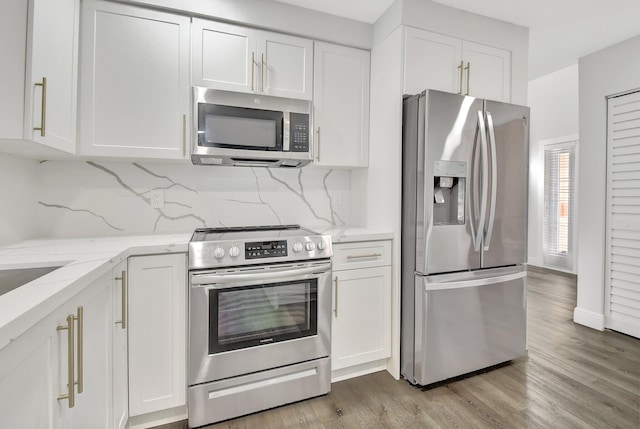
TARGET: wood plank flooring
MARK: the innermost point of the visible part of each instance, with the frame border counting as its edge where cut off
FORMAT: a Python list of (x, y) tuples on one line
[(574, 377)]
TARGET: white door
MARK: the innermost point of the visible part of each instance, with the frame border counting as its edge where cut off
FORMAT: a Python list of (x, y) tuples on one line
[(622, 298), (223, 56), (286, 65), (52, 73), (361, 327), (134, 81), (487, 71), (432, 61), (341, 105), (157, 332)]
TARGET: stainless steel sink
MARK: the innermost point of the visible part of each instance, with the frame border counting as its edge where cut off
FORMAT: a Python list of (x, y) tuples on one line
[(12, 279)]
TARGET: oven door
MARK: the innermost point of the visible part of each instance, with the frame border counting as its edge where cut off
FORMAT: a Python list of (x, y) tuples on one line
[(250, 319)]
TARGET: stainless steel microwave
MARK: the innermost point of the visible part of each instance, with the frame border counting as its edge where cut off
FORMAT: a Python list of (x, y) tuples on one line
[(250, 130)]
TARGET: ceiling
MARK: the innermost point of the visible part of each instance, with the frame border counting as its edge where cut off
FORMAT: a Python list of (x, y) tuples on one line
[(560, 31)]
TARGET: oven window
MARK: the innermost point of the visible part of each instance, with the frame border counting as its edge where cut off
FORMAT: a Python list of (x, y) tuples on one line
[(263, 314)]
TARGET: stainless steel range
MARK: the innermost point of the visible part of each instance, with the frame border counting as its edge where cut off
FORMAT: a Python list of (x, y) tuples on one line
[(259, 319)]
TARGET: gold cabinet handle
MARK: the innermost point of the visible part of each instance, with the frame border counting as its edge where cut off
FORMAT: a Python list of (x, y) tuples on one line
[(70, 395), (262, 71), (460, 67), (335, 308), (370, 255), (43, 110), (468, 69), (253, 66), (123, 280), (318, 146), (80, 350), (184, 135)]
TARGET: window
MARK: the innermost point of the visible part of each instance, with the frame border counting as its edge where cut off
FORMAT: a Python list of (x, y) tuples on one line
[(558, 245)]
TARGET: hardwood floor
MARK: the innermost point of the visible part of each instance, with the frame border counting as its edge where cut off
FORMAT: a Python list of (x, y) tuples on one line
[(574, 377)]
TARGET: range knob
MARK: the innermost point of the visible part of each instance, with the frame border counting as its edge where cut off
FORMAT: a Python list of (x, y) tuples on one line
[(310, 246), (297, 246), (321, 245), (218, 253), (234, 251)]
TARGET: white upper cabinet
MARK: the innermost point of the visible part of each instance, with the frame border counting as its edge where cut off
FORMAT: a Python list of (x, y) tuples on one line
[(437, 61), (341, 106), (134, 83), (286, 65), (242, 59), (39, 92), (211, 43)]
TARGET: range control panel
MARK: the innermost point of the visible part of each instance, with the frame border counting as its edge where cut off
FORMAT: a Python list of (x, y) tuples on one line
[(265, 249)]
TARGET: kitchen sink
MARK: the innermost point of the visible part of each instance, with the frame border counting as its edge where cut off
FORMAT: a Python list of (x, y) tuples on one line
[(14, 278)]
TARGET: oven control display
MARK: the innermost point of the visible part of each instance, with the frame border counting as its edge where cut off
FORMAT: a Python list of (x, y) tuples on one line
[(265, 249)]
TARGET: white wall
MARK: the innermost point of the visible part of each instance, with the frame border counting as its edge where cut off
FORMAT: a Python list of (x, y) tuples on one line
[(18, 190), (607, 72), (553, 100)]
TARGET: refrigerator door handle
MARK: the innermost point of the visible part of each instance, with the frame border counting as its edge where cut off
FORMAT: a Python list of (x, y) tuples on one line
[(428, 287), (472, 190), (494, 182), (484, 167)]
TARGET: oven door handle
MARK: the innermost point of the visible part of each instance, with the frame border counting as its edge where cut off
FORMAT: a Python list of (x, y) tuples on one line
[(275, 274)]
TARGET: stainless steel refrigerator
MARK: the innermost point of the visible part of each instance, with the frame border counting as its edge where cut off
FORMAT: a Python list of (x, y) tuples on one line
[(464, 235)]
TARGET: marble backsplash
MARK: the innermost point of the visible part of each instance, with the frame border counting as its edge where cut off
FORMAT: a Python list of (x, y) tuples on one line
[(18, 195), (99, 198)]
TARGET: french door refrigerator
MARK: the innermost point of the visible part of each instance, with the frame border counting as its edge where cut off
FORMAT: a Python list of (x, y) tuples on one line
[(464, 235)]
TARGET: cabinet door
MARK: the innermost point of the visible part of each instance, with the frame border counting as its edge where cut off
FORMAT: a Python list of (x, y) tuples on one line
[(119, 369), (93, 355), (27, 378), (134, 81), (157, 333), (432, 61), (286, 65), (13, 42), (52, 55), (361, 329), (223, 56), (341, 105), (488, 71)]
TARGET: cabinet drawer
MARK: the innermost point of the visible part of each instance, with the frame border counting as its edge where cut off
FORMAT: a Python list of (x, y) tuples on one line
[(362, 254)]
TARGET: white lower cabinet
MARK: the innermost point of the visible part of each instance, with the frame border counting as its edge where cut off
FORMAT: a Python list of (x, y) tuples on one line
[(157, 332), (361, 328), (34, 374)]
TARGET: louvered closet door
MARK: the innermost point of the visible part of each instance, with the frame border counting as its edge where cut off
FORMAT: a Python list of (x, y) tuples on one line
[(622, 301)]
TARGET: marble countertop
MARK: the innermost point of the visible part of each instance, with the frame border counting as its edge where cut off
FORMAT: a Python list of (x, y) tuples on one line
[(84, 260)]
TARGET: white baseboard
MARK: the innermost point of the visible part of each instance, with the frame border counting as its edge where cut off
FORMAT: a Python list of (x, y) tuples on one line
[(589, 318)]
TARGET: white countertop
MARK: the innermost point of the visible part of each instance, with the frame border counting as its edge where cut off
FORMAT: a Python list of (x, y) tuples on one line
[(84, 260)]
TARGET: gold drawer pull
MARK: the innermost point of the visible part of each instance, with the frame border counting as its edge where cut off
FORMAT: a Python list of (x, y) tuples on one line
[(335, 308), (43, 111), (123, 279), (370, 255), (70, 361)]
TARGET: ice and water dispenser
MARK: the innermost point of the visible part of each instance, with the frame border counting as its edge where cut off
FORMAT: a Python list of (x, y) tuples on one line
[(449, 179)]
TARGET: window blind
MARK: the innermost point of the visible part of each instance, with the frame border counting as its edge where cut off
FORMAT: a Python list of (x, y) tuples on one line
[(559, 205)]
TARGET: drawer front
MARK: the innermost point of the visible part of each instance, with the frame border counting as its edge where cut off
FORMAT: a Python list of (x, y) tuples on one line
[(362, 254)]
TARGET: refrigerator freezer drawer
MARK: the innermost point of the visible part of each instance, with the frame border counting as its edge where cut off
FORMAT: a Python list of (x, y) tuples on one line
[(476, 325)]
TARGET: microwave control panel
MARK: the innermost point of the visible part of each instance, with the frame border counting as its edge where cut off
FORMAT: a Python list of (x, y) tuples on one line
[(265, 249), (299, 132)]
